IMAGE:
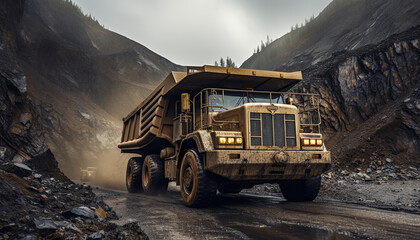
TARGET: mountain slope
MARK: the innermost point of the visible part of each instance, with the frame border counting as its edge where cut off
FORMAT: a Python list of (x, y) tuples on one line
[(83, 78), (342, 25), (363, 58), (371, 100)]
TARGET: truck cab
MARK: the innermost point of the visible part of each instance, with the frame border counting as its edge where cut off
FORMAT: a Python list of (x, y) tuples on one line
[(226, 129)]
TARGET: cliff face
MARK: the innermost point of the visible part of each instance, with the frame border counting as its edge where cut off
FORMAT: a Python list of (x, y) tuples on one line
[(342, 25), (362, 57), (21, 127), (370, 99)]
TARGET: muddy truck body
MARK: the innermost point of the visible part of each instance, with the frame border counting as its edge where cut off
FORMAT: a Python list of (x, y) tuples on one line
[(226, 129)]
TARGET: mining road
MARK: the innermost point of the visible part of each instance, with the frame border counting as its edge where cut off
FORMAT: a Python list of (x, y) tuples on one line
[(247, 216)]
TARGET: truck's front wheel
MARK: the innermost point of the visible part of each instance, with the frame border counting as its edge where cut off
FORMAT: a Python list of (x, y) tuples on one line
[(198, 189), (133, 175), (153, 175), (301, 190)]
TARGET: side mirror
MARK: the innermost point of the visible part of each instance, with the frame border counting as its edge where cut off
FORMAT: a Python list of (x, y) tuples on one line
[(185, 102)]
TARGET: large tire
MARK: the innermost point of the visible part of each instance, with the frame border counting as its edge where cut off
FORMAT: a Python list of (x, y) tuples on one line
[(301, 190), (198, 188), (153, 175), (229, 189), (133, 175)]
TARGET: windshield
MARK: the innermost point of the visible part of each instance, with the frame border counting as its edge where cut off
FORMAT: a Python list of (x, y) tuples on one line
[(220, 100), (217, 100)]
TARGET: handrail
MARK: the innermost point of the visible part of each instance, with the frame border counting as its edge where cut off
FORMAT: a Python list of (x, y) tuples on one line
[(306, 107)]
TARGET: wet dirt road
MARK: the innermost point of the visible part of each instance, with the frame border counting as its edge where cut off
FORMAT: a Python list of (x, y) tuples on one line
[(246, 216)]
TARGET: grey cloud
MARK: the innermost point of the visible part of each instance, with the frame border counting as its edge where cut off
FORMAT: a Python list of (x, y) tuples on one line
[(191, 32)]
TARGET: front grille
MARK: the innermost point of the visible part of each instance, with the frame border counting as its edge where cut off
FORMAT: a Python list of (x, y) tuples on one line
[(273, 130)]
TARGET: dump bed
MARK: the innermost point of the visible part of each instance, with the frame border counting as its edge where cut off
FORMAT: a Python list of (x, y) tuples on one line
[(150, 125)]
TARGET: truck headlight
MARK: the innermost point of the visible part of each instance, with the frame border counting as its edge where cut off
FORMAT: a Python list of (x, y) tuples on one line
[(230, 140), (312, 142)]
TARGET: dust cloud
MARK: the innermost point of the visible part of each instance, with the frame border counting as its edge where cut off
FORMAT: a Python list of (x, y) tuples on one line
[(110, 169)]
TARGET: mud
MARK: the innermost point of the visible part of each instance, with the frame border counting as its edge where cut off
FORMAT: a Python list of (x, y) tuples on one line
[(250, 216)]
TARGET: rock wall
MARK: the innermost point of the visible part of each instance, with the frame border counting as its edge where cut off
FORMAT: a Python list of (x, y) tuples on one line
[(373, 90), (20, 123)]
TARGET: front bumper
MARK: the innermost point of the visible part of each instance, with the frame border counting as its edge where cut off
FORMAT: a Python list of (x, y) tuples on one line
[(270, 165)]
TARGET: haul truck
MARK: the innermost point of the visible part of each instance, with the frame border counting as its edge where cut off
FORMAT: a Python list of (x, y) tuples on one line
[(215, 128)]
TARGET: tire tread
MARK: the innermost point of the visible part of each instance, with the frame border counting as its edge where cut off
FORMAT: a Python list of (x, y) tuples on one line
[(206, 189), (136, 165), (300, 191), (158, 183)]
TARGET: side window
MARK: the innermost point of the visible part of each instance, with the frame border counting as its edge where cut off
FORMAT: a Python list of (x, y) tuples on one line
[(215, 99)]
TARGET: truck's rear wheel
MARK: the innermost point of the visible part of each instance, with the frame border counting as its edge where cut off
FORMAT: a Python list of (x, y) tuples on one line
[(301, 190), (153, 175), (133, 175), (198, 189)]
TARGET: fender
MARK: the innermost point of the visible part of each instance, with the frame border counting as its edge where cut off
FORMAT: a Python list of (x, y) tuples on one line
[(202, 140), (199, 139)]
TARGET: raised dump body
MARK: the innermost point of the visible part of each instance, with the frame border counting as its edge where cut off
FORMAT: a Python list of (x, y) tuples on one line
[(227, 129)]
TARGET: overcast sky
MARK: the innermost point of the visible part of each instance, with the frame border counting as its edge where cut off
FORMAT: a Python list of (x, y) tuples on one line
[(198, 32)]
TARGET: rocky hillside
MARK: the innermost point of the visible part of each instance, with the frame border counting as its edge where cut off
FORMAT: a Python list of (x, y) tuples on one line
[(371, 100), (21, 133), (342, 25), (83, 78), (36, 200), (366, 68)]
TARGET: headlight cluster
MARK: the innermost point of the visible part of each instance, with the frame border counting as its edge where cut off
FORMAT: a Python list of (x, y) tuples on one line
[(230, 140), (312, 142)]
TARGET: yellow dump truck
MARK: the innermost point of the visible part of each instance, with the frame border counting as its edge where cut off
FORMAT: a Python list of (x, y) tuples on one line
[(216, 128)]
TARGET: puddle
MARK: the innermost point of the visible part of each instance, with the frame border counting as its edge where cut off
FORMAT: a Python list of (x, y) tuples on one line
[(257, 230)]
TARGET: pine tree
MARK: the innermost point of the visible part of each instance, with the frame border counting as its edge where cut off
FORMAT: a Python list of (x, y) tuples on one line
[(216, 64), (222, 62), (229, 62)]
